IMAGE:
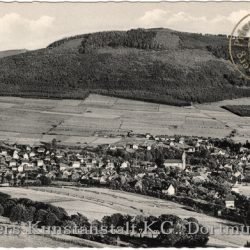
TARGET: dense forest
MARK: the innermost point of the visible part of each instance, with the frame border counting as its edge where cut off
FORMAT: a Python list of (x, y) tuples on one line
[(241, 110), (156, 65)]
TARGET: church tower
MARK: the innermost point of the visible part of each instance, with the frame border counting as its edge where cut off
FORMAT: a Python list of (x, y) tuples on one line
[(184, 160)]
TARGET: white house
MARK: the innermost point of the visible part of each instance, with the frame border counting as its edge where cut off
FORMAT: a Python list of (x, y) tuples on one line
[(12, 163), (32, 154), (26, 156), (20, 169), (4, 153), (125, 165), (15, 155), (170, 190), (40, 163), (76, 164), (229, 201)]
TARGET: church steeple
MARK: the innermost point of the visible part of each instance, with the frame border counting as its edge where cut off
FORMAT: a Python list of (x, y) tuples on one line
[(184, 160)]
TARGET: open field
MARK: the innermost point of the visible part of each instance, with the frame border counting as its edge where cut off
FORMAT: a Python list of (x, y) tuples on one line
[(97, 202), (245, 190), (29, 121), (24, 240)]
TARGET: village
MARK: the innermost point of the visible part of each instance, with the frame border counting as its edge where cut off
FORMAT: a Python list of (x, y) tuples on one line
[(208, 171)]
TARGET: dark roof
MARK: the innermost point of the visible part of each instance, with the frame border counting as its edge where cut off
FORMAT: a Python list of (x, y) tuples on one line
[(173, 161), (230, 198)]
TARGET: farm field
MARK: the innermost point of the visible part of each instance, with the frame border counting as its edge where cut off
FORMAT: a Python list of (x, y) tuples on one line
[(24, 240), (30, 121), (97, 202), (245, 190)]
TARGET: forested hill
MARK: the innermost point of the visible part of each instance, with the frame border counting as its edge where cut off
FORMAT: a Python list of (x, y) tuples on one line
[(158, 65), (6, 53)]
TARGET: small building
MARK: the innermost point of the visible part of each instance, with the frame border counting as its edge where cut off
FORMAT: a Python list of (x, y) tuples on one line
[(76, 164), (229, 201), (26, 156), (125, 164), (12, 164), (40, 163), (170, 190), (15, 155), (173, 163), (41, 150)]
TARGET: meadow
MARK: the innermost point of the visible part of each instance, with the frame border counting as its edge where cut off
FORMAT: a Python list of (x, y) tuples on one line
[(71, 122), (23, 240), (94, 203)]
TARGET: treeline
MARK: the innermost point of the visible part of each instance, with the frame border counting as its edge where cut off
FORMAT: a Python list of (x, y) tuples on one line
[(135, 38), (220, 51), (170, 229), (138, 38), (241, 110)]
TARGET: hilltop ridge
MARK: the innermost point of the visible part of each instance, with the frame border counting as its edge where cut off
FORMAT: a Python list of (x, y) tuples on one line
[(157, 65)]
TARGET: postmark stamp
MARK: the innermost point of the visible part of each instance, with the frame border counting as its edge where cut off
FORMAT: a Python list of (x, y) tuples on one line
[(239, 46)]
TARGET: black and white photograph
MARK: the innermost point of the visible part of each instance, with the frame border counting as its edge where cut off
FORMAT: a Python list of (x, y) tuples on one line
[(125, 124)]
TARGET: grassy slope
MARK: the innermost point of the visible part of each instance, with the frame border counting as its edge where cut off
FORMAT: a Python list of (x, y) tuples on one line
[(11, 52), (176, 68)]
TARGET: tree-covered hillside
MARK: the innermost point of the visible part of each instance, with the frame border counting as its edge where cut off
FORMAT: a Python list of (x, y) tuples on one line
[(6, 53), (158, 65)]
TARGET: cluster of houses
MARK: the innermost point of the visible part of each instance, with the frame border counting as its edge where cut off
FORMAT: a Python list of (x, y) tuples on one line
[(21, 164)]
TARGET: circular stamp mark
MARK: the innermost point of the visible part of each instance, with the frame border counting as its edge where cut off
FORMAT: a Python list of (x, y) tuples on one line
[(239, 46)]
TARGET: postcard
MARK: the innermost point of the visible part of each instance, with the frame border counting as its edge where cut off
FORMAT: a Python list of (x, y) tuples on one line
[(125, 124)]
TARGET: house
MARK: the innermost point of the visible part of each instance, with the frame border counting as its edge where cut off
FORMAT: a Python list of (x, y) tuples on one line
[(41, 150), (170, 190), (173, 163), (235, 189), (32, 154), (15, 155), (26, 156), (103, 180), (63, 166), (4, 153), (229, 201), (12, 163), (238, 176), (191, 150), (4, 184), (20, 169), (110, 165), (181, 140), (40, 163), (228, 166), (125, 165), (199, 179), (76, 164)]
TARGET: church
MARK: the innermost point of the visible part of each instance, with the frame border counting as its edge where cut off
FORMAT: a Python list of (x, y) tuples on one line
[(178, 163)]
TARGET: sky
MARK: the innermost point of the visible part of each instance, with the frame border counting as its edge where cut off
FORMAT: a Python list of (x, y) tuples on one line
[(35, 25)]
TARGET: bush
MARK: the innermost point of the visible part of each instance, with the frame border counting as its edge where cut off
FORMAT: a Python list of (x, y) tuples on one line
[(45, 181), (8, 206), (51, 219), (1, 210), (41, 216), (19, 213), (58, 211)]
